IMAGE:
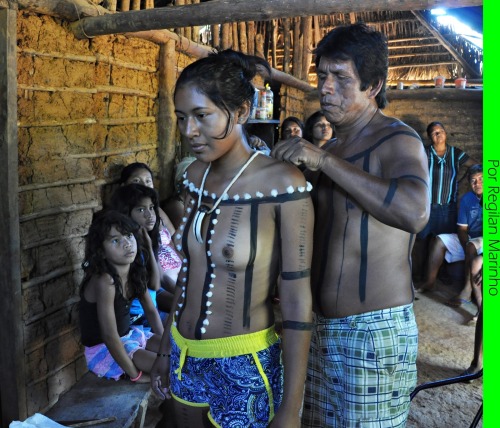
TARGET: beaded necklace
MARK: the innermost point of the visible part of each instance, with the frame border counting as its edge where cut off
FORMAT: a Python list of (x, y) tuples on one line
[(202, 210)]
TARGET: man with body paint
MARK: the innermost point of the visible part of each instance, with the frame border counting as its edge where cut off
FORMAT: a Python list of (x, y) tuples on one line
[(370, 190)]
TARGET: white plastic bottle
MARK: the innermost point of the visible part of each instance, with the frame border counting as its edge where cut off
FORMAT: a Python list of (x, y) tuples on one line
[(268, 101)]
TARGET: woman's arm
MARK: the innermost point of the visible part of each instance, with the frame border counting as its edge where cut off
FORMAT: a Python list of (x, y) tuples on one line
[(160, 371), (297, 222), (151, 313), (105, 297), (154, 272)]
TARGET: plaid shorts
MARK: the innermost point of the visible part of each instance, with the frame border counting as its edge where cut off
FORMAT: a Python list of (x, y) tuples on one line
[(361, 370)]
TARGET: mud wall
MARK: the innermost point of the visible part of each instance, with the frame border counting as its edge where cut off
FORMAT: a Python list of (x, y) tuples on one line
[(85, 109)]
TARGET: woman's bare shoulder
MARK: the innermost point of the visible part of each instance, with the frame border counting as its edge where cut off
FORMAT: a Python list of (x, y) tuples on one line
[(278, 174)]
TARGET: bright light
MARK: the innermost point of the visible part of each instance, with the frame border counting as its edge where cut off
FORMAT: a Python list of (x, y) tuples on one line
[(438, 12), (458, 27)]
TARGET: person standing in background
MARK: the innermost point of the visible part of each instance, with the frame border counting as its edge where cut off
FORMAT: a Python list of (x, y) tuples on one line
[(318, 130)]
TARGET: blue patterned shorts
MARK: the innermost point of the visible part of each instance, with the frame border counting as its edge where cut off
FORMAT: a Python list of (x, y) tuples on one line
[(242, 390)]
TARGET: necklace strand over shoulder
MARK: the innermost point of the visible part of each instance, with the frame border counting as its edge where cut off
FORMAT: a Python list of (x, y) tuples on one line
[(202, 210)]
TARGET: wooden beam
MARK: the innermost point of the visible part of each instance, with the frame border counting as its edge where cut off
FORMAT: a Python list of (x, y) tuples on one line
[(417, 64), (223, 11), (468, 70), (12, 359), (70, 10)]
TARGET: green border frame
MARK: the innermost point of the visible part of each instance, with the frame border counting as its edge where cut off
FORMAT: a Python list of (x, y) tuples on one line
[(491, 208)]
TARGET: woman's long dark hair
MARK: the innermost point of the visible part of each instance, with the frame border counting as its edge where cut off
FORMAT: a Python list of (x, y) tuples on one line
[(95, 262), (225, 78)]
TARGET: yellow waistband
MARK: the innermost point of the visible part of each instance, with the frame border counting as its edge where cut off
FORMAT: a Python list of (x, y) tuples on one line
[(225, 346)]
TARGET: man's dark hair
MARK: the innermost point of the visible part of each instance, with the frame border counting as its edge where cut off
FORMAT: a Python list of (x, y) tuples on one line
[(367, 48), (474, 169)]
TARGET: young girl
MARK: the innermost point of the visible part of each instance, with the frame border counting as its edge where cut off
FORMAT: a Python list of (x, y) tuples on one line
[(140, 173), (141, 204), (113, 276), (247, 224)]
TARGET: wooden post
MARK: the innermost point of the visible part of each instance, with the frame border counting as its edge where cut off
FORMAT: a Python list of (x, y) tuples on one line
[(234, 43), (125, 5), (306, 50), (181, 31), (259, 45), (167, 123), (195, 31), (12, 358), (216, 35), (251, 37), (136, 4), (317, 31), (286, 45), (225, 33), (112, 5), (297, 54), (242, 32), (274, 41)]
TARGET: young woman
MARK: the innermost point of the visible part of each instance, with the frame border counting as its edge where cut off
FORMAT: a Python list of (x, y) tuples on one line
[(140, 173), (291, 127), (317, 129), (141, 204), (248, 223), (113, 276)]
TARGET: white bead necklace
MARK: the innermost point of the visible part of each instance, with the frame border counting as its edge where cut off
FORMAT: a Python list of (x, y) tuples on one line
[(202, 210)]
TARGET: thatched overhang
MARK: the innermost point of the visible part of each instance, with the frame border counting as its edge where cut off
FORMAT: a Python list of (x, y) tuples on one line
[(284, 32)]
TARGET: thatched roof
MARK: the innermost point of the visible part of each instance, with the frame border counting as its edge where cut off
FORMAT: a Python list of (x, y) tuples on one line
[(420, 49)]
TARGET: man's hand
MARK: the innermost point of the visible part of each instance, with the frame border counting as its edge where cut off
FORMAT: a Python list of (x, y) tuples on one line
[(160, 377), (298, 151), (257, 144)]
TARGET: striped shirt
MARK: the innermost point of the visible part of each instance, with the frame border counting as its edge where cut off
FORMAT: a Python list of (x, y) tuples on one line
[(443, 172)]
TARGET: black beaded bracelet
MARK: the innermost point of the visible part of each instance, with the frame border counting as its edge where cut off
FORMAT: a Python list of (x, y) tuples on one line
[(163, 355)]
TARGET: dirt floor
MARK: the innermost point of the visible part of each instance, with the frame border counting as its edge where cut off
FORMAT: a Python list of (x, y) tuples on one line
[(445, 350)]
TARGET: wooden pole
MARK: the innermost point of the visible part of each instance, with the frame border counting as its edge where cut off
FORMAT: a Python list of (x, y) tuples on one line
[(216, 35), (195, 30), (125, 5), (251, 37), (226, 29), (221, 11), (167, 123), (274, 41), (70, 10), (235, 37), (12, 358), (242, 31), (296, 48), (306, 50), (259, 45), (286, 45)]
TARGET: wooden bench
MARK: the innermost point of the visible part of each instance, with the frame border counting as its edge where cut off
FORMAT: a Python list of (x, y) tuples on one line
[(93, 398)]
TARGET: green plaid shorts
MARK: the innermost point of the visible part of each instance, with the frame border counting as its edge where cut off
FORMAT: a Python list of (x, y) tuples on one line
[(361, 370)]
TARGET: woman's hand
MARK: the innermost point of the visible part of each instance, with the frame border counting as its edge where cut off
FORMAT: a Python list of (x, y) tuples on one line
[(160, 377)]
